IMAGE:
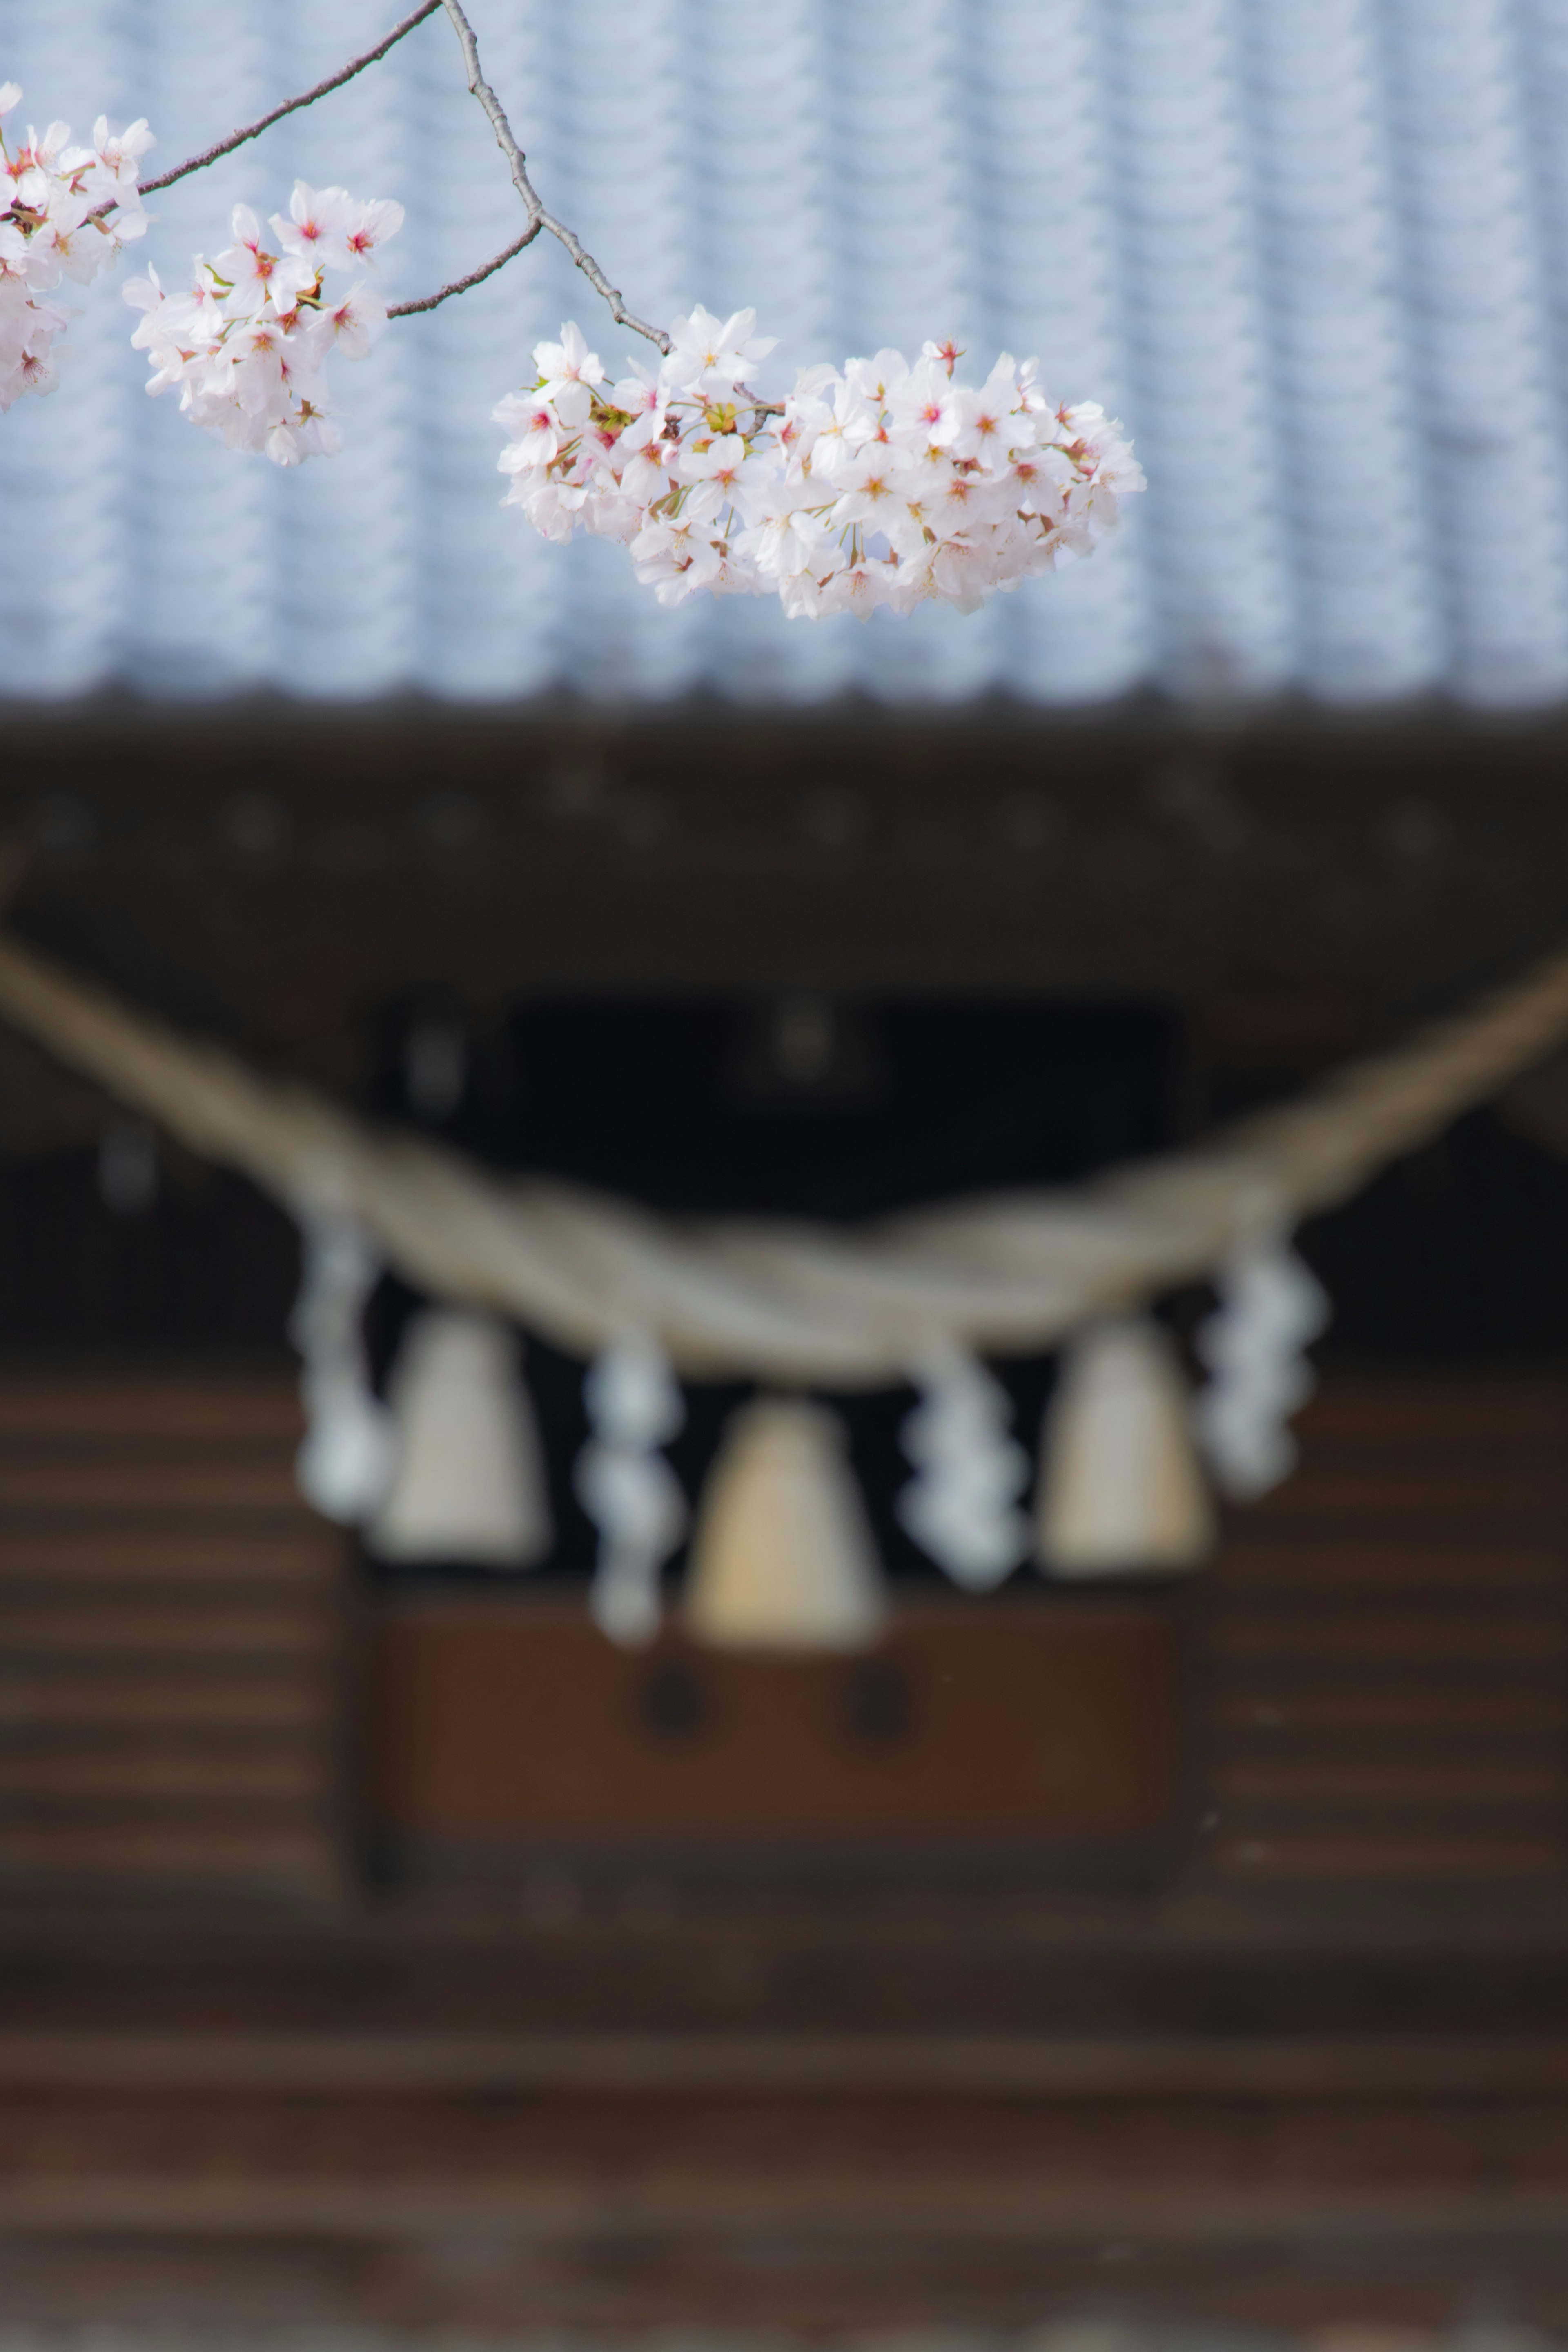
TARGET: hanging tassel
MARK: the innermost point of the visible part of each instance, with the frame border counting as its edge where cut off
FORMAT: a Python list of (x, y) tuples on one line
[(627, 1487), (350, 1452), (784, 1556), (470, 1480), (960, 1507), (1270, 1306), (1121, 1488)]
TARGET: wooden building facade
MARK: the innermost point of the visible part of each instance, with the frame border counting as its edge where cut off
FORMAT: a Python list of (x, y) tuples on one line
[(392, 1950)]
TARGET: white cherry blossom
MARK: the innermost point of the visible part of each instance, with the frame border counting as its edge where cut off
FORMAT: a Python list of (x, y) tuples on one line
[(64, 211), (884, 485), (352, 325), (705, 356), (720, 473), (567, 372), (370, 227), (247, 344), (537, 432), (258, 278)]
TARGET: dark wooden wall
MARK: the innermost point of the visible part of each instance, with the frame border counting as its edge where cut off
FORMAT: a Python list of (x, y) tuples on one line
[(1367, 1692), (1037, 1734), (1307, 2063), (1381, 1680), (1297, 886), (1315, 2069), (175, 1662)]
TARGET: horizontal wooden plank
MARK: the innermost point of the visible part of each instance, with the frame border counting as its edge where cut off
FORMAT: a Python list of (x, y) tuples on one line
[(849, 2209), (246, 1699), (110, 1443), (1437, 1492), (107, 1778), (1266, 1703), (1480, 1606), (133, 1813), (1009, 2067), (1391, 1409), (290, 1626), (294, 1553), (1285, 1557), (186, 1408), (1494, 1852), (1399, 1827), (1231, 1766), (1405, 1641), (233, 1854), (78, 1483), (1436, 1781)]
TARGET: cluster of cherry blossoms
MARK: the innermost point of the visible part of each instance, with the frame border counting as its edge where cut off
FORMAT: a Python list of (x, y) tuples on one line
[(885, 483), (64, 211), (247, 344)]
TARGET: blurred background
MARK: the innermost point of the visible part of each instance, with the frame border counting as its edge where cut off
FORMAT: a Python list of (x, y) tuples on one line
[(384, 1954)]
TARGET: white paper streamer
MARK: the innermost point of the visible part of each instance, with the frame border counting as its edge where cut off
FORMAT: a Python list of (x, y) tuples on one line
[(350, 1452), (627, 1487), (1270, 1307), (961, 1505)]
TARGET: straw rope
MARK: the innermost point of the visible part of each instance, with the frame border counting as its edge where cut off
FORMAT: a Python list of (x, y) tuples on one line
[(764, 1298)]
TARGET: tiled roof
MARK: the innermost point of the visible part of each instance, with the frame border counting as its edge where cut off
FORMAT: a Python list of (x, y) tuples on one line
[(1315, 252)]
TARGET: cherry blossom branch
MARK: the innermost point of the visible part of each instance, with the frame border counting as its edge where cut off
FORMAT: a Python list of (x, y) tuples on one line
[(475, 277), (538, 218), (292, 105)]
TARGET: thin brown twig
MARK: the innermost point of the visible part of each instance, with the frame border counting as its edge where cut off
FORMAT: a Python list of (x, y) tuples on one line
[(538, 218), (290, 106), (474, 278)]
